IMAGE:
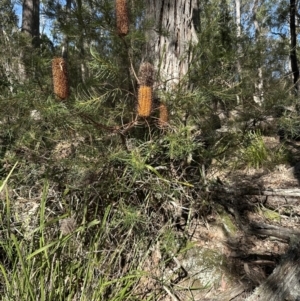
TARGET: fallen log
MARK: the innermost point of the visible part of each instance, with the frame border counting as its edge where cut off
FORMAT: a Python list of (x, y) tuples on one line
[(290, 192), (283, 204), (275, 231), (283, 283), (242, 191), (285, 201)]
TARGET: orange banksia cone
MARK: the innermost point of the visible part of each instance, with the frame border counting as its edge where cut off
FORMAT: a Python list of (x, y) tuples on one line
[(122, 17), (163, 115), (60, 78), (144, 101)]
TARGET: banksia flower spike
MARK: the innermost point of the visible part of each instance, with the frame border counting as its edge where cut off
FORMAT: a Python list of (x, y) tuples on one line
[(122, 17), (163, 115), (144, 101), (60, 78), (145, 92)]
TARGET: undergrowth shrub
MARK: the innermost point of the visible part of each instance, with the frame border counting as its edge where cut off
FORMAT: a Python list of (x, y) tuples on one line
[(78, 255), (255, 153)]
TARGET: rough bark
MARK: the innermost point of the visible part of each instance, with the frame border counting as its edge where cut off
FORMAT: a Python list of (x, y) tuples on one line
[(275, 231), (174, 25), (293, 52), (283, 283)]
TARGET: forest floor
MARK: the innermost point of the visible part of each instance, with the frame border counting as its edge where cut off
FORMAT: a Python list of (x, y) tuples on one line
[(231, 242), (238, 245)]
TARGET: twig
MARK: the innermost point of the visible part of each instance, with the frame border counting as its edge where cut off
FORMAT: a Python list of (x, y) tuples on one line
[(170, 294), (115, 129)]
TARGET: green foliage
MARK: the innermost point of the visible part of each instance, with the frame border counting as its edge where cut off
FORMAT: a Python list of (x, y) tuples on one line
[(290, 126), (122, 179), (62, 266), (256, 153)]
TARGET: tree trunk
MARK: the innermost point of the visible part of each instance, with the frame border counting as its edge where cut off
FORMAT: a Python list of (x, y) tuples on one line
[(238, 35), (174, 30), (65, 36), (31, 28), (82, 43), (31, 20), (259, 82), (293, 51)]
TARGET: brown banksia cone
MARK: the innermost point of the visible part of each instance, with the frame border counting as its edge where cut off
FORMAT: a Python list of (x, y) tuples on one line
[(163, 115), (146, 74), (122, 17), (144, 101), (60, 78)]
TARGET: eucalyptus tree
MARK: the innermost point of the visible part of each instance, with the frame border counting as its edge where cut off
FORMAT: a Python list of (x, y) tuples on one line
[(31, 20), (293, 51), (258, 96), (238, 35), (173, 32), (31, 31)]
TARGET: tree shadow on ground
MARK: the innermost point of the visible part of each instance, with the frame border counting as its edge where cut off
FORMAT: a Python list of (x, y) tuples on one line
[(264, 232)]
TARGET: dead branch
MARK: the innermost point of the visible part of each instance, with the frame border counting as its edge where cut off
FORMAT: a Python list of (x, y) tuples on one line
[(242, 191), (271, 230)]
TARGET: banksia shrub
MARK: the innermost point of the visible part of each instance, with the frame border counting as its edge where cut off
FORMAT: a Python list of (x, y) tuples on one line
[(146, 73), (163, 115), (122, 17), (144, 101), (60, 78)]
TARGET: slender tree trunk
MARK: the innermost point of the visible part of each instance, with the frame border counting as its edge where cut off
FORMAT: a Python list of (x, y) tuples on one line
[(238, 35), (31, 29), (259, 82), (293, 51), (31, 20), (82, 43), (65, 38), (175, 25)]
